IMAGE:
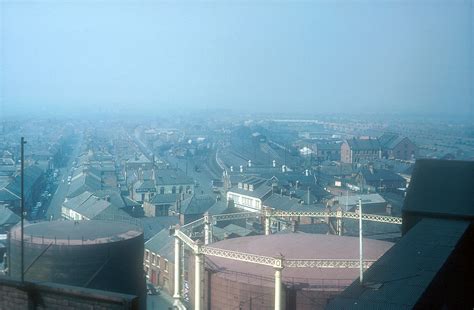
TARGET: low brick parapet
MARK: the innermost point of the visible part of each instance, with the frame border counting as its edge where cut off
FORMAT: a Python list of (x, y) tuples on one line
[(15, 294)]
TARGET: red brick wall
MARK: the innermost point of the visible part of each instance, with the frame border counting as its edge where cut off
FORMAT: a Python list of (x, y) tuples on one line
[(345, 153), (404, 149), (15, 295)]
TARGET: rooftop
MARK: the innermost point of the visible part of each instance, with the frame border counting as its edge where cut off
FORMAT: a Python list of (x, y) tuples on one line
[(77, 232), (295, 245)]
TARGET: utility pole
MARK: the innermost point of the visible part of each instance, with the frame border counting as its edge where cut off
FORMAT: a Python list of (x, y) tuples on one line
[(361, 260), (22, 201)]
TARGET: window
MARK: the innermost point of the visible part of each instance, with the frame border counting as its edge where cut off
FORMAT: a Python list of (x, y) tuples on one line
[(147, 253), (173, 190), (166, 266), (162, 190), (152, 258), (157, 260)]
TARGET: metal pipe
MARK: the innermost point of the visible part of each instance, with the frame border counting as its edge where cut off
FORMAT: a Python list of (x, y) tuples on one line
[(277, 288), (361, 268), (197, 280), (267, 225), (22, 201), (177, 260)]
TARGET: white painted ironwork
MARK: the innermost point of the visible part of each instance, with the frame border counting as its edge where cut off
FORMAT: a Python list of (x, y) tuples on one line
[(187, 240), (338, 214), (190, 226), (326, 263), (374, 217), (235, 216), (240, 256)]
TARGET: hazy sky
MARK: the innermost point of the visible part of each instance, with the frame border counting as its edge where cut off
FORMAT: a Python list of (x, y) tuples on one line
[(315, 56)]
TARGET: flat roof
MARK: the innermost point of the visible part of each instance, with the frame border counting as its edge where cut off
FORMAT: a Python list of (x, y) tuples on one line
[(401, 276), (441, 188), (76, 232), (299, 246)]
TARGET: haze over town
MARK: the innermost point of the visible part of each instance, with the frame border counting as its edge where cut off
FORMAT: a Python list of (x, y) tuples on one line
[(236, 154)]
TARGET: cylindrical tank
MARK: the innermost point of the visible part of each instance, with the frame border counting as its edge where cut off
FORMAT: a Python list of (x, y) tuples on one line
[(94, 254)]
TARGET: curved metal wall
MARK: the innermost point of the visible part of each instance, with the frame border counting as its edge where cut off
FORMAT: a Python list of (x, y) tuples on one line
[(113, 266)]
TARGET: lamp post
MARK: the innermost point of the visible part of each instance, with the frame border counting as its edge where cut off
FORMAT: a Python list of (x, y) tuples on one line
[(22, 201), (361, 260)]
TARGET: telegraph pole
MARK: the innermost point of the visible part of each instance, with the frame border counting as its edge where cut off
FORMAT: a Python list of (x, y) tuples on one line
[(22, 201), (361, 268)]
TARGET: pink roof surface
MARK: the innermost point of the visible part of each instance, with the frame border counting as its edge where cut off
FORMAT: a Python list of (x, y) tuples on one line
[(300, 246)]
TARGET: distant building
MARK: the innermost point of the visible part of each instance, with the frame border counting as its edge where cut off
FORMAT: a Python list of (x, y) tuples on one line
[(379, 180), (10, 190), (89, 206), (398, 147), (432, 262), (160, 205), (328, 151), (250, 193), (360, 150), (372, 203), (173, 181), (193, 208)]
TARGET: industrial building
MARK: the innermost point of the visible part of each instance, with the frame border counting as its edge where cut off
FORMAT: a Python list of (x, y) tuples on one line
[(91, 254)]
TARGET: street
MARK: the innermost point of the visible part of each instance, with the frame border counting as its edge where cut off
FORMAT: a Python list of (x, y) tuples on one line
[(54, 208), (159, 302)]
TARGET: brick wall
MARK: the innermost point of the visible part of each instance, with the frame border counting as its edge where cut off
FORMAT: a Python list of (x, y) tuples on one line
[(29, 295)]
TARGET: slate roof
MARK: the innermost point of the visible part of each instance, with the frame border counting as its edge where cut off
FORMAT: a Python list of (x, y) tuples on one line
[(352, 200), (363, 144), (390, 140), (285, 203), (328, 146), (84, 182), (142, 159), (145, 186), (163, 244), (380, 174), (172, 177), (32, 174), (219, 207), (197, 204), (87, 204), (260, 192), (7, 217), (164, 199)]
